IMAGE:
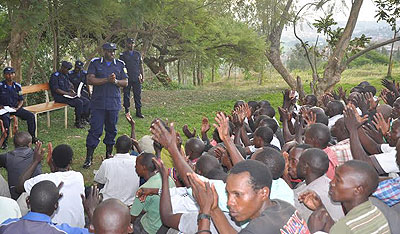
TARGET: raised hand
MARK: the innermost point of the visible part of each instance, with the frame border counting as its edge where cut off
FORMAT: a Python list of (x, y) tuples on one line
[(310, 117), (237, 121), (311, 200), (129, 118), (285, 155), (284, 113), (352, 119), (143, 193), (388, 97), (90, 203), (390, 85), (362, 103), (247, 110), (205, 195), (160, 134), (373, 133), (186, 131), (38, 152), (222, 126), (205, 125), (326, 98), (372, 103), (381, 124)]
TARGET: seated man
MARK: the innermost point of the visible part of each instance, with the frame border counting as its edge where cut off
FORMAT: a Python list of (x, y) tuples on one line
[(11, 96), (78, 76), (63, 92), (18, 160), (43, 202), (70, 209), (150, 222), (117, 175)]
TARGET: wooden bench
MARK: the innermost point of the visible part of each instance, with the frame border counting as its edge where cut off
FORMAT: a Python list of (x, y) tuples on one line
[(44, 107)]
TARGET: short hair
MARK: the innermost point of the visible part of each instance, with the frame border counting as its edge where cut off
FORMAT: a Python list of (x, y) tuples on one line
[(265, 133), (260, 117), (370, 89), (313, 99), (111, 216), (123, 144), (322, 118), (367, 174), (271, 123), (216, 174), (263, 103), (270, 111), (62, 155), (252, 104), (273, 159), (43, 197), (259, 174), (195, 145), (206, 163), (302, 146), (238, 103), (316, 159), (147, 162), (320, 132), (363, 83), (22, 139), (335, 107)]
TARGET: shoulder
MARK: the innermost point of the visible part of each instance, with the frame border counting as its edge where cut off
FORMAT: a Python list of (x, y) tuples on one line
[(55, 74), (95, 60), (70, 72), (17, 84), (66, 228), (340, 227), (119, 61), (84, 71)]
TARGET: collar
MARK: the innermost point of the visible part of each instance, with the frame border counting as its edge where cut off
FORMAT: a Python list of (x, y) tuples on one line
[(103, 60), (34, 216), (127, 155), (5, 83)]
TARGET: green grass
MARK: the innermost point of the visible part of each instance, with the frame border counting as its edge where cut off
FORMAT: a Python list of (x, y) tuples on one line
[(184, 107)]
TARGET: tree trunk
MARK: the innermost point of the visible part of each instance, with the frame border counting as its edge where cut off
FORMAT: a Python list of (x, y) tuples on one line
[(229, 71), (159, 70), (198, 73), (212, 73), (390, 67), (179, 71)]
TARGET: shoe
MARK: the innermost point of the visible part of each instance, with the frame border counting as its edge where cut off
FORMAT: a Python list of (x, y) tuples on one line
[(109, 149), (89, 157), (4, 146), (79, 124), (34, 140), (139, 113), (126, 110)]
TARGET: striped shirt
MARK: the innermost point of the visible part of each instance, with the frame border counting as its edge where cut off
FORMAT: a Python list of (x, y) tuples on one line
[(362, 219)]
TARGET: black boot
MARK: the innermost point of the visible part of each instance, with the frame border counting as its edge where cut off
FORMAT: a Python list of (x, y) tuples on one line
[(78, 123), (89, 157), (139, 113), (4, 145), (126, 110), (109, 149)]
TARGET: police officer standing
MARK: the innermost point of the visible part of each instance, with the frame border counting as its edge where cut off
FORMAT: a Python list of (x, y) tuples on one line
[(11, 95), (107, 75), (63, 92), (134, 64)]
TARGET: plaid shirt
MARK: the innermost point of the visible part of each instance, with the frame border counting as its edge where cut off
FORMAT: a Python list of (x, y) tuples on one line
[(343, 151), (388, 191)]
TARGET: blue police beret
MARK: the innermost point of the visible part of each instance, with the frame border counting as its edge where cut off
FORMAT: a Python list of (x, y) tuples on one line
[(130, 41), (109, 46), (8, 70), (66, 64), (79, 64)]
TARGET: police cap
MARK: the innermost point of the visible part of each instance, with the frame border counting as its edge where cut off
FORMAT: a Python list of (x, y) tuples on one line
[(66, 64), (130, 41), (79, 64), (8, 70), (109, 46)]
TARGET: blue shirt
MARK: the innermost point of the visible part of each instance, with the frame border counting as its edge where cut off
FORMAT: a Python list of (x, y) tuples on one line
[(77, 77), (59, 81), (106, 96), (133, 62), (10, 95), (38, 223)]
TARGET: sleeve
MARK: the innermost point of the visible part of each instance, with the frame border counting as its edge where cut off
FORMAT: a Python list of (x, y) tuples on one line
[(92, 68), (387, 161), (3, 160), (385, 148), (19, 93), (100, 176), (340, 227), (140, 59), (123, 72), (388, 191), (53, 83), (137, 207)]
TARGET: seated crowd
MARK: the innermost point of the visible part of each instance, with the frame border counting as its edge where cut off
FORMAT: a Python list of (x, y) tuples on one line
[(328, 166)]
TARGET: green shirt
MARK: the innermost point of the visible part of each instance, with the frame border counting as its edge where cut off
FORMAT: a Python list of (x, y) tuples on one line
[(151, 220), (364, 218)]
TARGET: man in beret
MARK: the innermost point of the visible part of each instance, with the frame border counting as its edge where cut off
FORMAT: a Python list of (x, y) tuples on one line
[(11, 96), (134, 64), (107, 75), (63, 92)]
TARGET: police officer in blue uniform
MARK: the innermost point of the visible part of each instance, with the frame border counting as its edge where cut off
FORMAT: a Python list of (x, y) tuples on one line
[(63, 92), (11, 95), (134, 64), (107, 75), (77, 76)]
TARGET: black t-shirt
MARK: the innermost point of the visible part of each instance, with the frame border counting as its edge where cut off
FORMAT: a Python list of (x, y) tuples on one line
[(280, 218)]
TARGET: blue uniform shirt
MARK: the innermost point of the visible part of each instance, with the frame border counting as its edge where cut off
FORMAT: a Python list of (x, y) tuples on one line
[(10, 95), (77, 77), (133, 62), (38, 223), (106, 96), (59, 81)]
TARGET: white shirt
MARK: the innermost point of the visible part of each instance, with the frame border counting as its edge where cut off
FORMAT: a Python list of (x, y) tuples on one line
[(9, 209), (119, 178), (387, 161), (275, 141), (70, 208), (281, 190), (333, 119)]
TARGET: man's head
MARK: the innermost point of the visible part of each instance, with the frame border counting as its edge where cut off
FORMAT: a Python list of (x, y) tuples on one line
[(312, 162), (238, 103), (43, 198), (396, 109), (321, 117), (270, 111), (248, 186), (78, 65), (294, 156), (130, 43), (22, 139), (334, 108), (144, 164), (194, 147), (111, 216), (208, 165), (273, 159), (253, 106), (259, 118), (262, 136), (370, 89), (310, 100), (62, 156), (271, 123), (263, 103), (353, 97), (123, 144), (385, 110), (354, 180), (109, 50), (65, 67), (394, 133), (339, 130), (9, 74), (317, 135)]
